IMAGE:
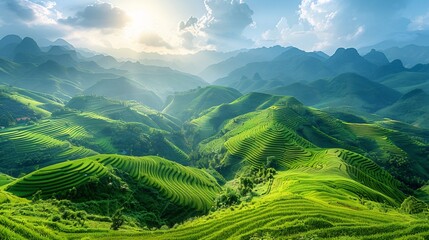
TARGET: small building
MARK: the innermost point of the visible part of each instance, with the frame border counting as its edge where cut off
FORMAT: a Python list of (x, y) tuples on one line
[(22, 119)]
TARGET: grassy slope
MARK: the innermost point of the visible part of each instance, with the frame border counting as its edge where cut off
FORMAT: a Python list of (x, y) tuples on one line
[(190, 104), (24, 103)]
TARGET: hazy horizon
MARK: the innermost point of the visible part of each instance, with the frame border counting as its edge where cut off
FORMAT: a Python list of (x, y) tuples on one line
[(189, 26)]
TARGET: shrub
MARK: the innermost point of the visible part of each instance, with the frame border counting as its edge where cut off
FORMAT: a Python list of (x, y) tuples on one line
[(37, 196), (56, 218), (413, 205), (227, 198), (117, 219)]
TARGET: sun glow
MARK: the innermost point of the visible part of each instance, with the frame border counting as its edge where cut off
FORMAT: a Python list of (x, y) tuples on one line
[(140, 21)]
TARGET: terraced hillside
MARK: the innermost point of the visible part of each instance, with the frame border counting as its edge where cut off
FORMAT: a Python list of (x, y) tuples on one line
[(287, 131), (306, 202), (332, 179), (182, 185), (209, 123), (19, 105), (125, 111), (71, 135), (165, 190)]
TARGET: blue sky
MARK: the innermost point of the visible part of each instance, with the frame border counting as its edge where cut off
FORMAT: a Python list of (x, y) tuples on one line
[(182, 26)]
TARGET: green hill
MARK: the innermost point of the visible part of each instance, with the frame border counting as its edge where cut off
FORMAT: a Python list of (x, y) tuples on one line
[(209, 123), (21, 106), (411, 108), (87, 126), (128, 111), (165, 191), (332, 178), (358, 92), (283, 130), (190, 104), (324, 186)]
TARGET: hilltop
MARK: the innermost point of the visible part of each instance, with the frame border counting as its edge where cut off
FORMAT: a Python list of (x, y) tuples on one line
[(188, 105)]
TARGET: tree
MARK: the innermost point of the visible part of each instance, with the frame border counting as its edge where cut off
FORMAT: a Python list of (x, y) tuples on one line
[(117, 219), (246, 185)]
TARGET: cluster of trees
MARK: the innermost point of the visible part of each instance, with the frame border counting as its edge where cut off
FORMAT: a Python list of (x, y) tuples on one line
[(246, 184)]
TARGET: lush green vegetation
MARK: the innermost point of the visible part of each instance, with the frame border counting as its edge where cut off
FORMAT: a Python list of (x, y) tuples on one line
[(98, 126), (259, 167), (152, 191)]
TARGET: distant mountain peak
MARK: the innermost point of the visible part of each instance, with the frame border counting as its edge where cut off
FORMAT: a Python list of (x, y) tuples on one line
[(10, 39), (376, 57), (63, 43), (28, 46), (346, 54)]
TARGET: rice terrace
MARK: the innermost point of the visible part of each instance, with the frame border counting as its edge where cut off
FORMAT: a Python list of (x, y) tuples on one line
[(214, 119)]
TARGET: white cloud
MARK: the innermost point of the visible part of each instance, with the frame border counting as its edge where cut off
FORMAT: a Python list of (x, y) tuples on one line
[(221, 27), (151, 39), (99, 15), (319, 14), (328, 24), (420, 23), (30, 12)]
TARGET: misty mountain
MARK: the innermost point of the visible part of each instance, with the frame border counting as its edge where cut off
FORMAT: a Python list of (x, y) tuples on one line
[(124, 89), (407, 81), (163, 81), (349, 60), (222, 69), (346, 90), (410, 54), (292, 66), (393, 67), (419, 38), (412, 108), (376, 57), (192, 63), (62, 71)]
